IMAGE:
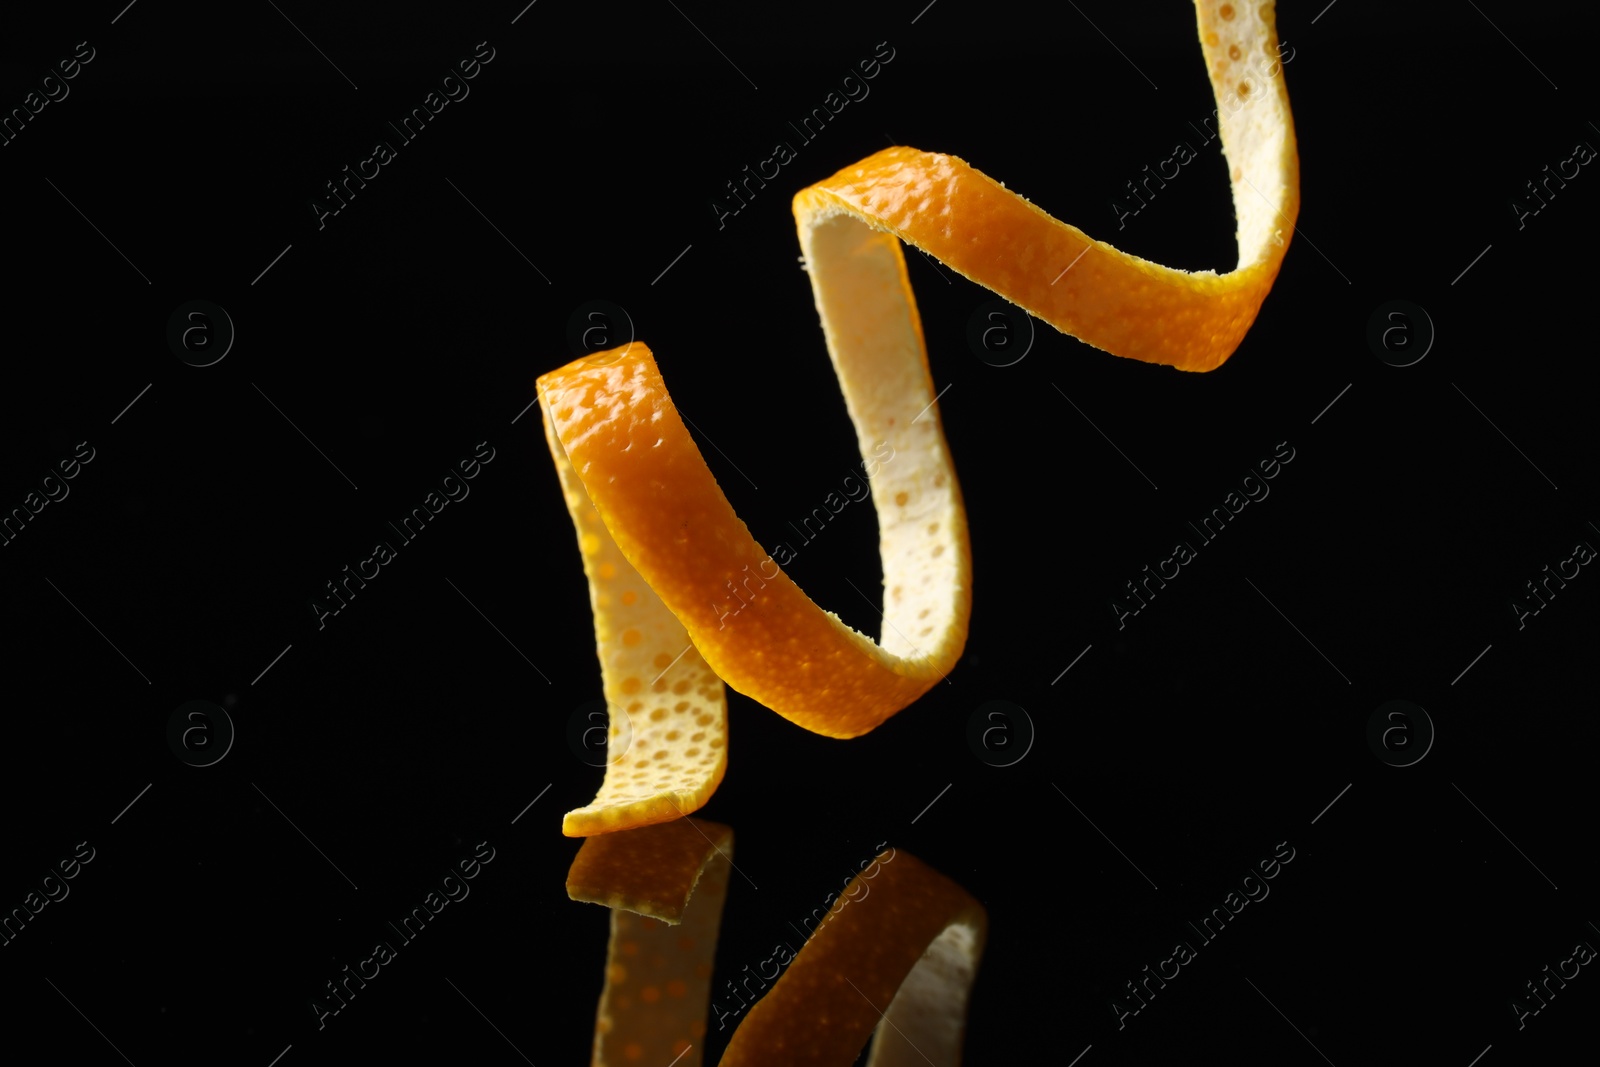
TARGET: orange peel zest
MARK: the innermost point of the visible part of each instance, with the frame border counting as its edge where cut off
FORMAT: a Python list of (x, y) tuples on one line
[(665, 886), (896, 958), (667, 557), (899, 961), (852, 224)]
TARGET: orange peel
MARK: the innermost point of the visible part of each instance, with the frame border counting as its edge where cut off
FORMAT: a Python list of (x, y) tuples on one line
[(665, 885), (852, 224), (660, 694), (900, 963), (663, 548)]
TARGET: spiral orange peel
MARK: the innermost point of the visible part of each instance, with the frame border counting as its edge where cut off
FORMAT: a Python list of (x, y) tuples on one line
[(662, 546)]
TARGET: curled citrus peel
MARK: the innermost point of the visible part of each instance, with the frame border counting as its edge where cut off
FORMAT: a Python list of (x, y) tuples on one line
[(678, 584), (661, 696), (665, 885), (851, 226), (898, 960)]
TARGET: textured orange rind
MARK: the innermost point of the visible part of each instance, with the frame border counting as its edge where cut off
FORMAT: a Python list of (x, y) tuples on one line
[(667, 557), (665, 886), (898, 961), (896, 957), (1117, 302)]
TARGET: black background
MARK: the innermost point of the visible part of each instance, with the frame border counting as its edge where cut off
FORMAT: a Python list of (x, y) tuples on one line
[(1176, 752)]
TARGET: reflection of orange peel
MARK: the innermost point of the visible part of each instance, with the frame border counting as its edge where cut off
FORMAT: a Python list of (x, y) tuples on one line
[(664, 551), (905, 957), (663, 940), (900, 963)]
